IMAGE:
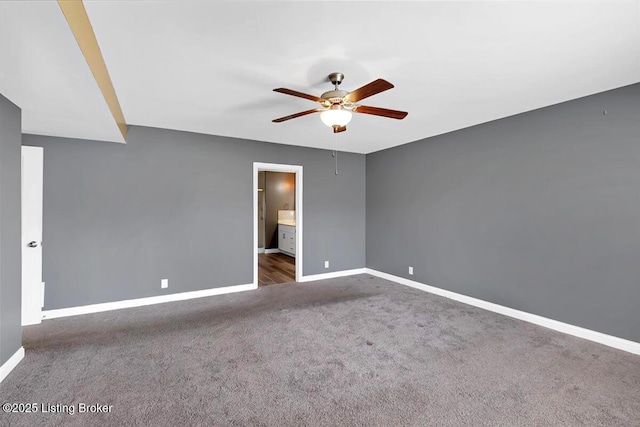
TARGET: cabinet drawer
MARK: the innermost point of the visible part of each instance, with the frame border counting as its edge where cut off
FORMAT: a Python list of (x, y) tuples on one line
[(287, 237), (287, 229)]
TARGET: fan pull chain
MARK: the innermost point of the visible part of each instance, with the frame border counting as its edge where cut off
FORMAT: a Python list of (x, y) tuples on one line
[(335, 150)]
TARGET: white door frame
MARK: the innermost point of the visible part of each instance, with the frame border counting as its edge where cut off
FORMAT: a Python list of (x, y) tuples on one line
[(275, 167), (31, 192)]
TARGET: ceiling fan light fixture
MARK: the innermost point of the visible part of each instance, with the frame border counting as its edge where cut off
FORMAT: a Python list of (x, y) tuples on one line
[(336, 115)]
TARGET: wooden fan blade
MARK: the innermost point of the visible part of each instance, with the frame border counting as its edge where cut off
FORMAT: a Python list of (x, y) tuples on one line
[(299, 94), (338, 129), (366, 91), (392, 114), (300, 114)]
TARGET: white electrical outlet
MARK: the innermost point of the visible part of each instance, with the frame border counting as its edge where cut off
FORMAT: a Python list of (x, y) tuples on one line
[(326, 264), (164, 283), (411, 271)]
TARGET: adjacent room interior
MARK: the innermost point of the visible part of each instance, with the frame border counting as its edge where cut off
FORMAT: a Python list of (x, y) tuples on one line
[(282, 213), (276, 227)]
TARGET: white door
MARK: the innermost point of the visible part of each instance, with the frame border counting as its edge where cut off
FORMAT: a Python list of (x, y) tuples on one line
[(32, 286)]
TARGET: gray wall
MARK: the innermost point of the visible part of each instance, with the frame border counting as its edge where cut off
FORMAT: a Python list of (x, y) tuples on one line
[(280, 194), (10, 230), (177, 205), (539, 212)]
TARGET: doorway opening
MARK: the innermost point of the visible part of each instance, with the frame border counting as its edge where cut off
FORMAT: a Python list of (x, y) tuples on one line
[(277, 231)]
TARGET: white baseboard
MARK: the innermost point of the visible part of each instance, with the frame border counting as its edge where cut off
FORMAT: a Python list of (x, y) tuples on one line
[(11, 363), (139, 302), (333, 274), (260, 250), (272, 251), (588, 334)]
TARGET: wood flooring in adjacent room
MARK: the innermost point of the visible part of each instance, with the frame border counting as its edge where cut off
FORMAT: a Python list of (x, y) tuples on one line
[(276, 268)]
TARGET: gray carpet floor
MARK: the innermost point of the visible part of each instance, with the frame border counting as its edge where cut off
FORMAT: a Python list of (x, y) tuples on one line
[(356, 351)]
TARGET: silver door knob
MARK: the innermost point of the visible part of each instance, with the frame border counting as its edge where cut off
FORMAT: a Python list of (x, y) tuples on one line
[(32, 244)]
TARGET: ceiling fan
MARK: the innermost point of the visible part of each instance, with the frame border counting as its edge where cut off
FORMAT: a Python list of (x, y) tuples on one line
[(337, 105)]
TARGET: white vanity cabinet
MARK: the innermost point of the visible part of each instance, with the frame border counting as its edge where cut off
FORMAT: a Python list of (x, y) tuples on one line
[(287, 239)]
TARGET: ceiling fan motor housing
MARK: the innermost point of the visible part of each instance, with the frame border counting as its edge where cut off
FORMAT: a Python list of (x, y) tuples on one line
[(335, 96)]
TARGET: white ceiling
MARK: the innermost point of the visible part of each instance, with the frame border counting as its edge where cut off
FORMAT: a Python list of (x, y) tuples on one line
[(42, 70), (210, 67)]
